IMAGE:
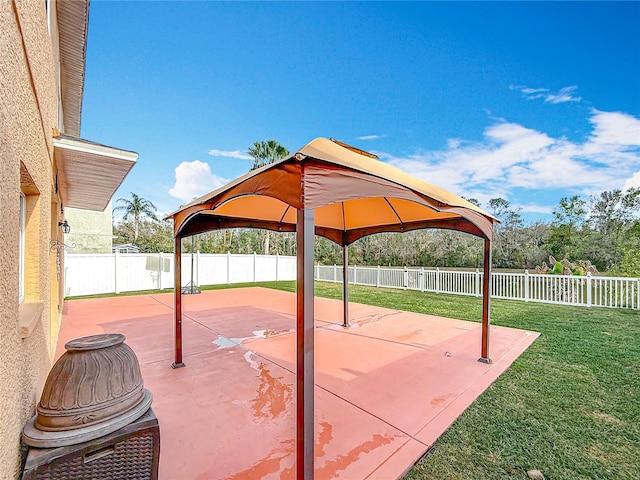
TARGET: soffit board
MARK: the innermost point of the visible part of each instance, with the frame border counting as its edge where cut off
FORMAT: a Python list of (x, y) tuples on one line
[(72, 18), (89, 173)]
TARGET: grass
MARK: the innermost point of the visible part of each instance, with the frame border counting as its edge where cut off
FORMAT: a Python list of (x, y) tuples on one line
[(569, 406)]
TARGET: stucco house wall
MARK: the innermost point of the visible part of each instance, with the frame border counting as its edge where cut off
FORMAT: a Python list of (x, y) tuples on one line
[(28, 114), (44, 166), (91, 232)]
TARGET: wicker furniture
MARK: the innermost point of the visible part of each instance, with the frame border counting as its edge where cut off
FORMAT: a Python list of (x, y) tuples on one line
[(130, 453)]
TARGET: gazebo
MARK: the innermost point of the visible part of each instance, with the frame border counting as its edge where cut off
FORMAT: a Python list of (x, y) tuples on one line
[(330, 189)]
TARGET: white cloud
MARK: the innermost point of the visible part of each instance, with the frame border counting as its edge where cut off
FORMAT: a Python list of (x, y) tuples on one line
[(535, 208), (615, 128), (194, 179), (529, 91), (512, 156), (370, 137), (230, 153), (633, 182), (565, 94), (454, 143)]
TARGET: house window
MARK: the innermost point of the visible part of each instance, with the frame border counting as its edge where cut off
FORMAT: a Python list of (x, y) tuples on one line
[(23, 209), (47, 10)]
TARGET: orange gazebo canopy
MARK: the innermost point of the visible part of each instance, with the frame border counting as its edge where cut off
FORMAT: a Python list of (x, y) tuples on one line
[(352, 193)]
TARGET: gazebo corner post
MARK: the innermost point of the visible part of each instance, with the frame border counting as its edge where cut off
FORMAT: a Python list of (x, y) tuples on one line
[(486, 303), (345, 286), (177, 298), (305, 326)]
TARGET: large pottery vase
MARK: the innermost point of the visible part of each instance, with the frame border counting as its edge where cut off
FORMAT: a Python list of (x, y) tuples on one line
[(93, 389)]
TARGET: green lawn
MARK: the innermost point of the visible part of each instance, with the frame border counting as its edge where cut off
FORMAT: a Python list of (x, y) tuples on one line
[(569, 406)]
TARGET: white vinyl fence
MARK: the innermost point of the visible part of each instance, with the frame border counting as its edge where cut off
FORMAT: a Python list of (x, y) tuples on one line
[(588, 291), (92, 274)]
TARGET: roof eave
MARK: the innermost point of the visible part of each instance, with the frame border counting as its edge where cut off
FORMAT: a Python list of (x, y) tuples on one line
[(90, 173), (73, 22)]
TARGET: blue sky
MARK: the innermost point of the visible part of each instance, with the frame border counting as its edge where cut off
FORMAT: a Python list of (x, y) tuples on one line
[(530, 102)]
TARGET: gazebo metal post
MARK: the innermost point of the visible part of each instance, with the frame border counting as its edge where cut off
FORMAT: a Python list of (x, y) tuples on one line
[(177, 296), (486, 302), (345, 285), (304, 350)]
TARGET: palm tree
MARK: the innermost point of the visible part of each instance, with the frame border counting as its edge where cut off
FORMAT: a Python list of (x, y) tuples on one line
[(264, 153), (137, 208)]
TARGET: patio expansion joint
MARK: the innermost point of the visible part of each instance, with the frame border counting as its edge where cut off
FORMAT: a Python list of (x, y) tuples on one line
[(382, 339), (375, 473), (409, 436), (170, 307)]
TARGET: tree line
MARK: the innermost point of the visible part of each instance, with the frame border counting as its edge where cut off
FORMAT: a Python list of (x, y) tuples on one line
[(603, 230)]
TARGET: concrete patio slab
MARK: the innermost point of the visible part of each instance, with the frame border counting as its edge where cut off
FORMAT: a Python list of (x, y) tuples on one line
[(386, 388)]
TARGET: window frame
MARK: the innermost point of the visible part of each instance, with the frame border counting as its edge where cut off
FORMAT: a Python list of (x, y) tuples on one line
[(22, 245)]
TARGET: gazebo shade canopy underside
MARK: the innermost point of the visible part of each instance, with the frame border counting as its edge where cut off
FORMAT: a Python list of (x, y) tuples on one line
[(352, 194)]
